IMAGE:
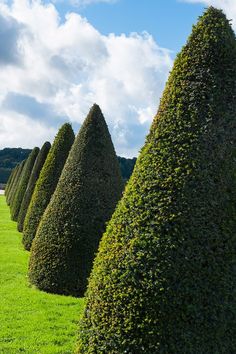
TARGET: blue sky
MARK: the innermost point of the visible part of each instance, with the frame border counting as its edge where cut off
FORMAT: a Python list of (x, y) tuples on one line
[(169, 21), (61, 56)]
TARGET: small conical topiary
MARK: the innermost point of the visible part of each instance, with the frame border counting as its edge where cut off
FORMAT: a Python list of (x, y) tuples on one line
[(15, 183), (11, 184), (47, 182), (23, 182), (86, 195), (31, 184), (9, 181), (164, 278)]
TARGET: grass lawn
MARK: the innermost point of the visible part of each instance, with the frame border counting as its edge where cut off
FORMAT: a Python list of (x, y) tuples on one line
[(31, 321)]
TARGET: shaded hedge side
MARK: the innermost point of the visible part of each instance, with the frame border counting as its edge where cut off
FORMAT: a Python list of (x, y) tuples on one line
[(15, 183), (9, 188), (47, 182), (164, 278), (10, 180), (85, 198), (31, 184), (23, 182)]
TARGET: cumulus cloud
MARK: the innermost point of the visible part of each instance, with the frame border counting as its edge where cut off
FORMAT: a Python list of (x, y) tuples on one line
[(228, 6), (17, 130), (83, 3), (30, 107), (89, 2), (10, 31), (68, 65)]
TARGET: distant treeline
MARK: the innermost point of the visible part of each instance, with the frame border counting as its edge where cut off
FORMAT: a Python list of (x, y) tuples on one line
[(10, 157), (126, 166)]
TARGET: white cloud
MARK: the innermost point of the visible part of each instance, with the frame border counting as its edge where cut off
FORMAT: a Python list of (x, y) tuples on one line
[(89, 2), (228, 6), (84, 3), (19, 131), (67, 66)]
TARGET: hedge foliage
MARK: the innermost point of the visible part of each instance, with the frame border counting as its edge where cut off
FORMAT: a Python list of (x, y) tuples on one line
[(15, 183), (164, 278), (10, 180), (31, 184), (85, 198), (47, 182), (23, 182)]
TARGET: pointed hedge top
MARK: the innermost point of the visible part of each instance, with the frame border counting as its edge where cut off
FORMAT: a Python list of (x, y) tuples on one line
[(94, 120), (199, 69), (95, 111), (94, 141), (46, 146)]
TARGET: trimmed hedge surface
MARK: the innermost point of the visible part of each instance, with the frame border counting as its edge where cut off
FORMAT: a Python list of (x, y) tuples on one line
[(47, 182), (164, 279), (23, 182), (85, 198), (15, 183), (31, 184), (10, 180)]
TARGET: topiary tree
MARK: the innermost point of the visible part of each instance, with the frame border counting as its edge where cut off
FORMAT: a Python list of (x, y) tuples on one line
[(47, 182), (31, 185), (23, 182), (86, 195), (10, 180), (15, 183), (11, 184), (164, 277)]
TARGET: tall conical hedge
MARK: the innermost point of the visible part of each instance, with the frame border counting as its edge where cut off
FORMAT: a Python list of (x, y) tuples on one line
[(31, 184), (164, 279), (15, 183), (47, 182), (85, 198), (23, 182)]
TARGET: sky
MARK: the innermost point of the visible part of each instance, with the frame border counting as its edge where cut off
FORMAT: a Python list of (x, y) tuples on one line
[(59, 57)]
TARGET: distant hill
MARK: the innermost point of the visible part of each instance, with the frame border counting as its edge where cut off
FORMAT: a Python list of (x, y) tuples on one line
[(126, 167), (10, 157)]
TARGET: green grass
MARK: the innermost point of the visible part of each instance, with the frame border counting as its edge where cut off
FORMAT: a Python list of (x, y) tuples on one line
[(30, 321)]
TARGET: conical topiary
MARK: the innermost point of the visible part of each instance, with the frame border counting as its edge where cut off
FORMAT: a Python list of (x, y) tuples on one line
[(23, 182), (15, 183), (86, 195), (47, 182), (10, 181), (31, 185), (9, 189), (164, 278)]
